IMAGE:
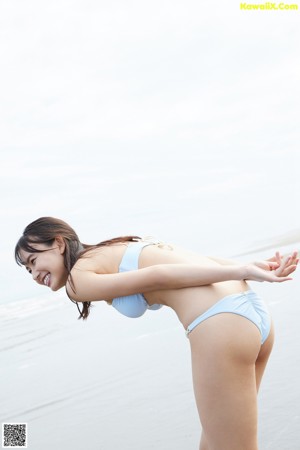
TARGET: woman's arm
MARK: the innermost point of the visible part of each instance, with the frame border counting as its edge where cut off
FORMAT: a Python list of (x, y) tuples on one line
[(91, 286), (272, 263)]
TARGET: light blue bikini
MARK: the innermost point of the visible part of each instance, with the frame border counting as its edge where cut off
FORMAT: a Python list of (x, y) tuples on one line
[(133, 305), (246, 304)]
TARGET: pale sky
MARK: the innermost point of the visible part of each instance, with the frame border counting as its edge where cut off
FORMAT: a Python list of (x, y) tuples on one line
[(77, 70), (119, 110)]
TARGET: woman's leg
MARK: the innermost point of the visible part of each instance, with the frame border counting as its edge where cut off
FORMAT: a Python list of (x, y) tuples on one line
[(263, 357), (203, 442), (224, 349)]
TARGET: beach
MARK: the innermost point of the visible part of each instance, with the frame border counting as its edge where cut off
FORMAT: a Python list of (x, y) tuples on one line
[(113, 382)]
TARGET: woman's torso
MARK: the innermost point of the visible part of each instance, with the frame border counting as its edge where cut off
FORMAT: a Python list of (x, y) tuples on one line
[(188, 303)]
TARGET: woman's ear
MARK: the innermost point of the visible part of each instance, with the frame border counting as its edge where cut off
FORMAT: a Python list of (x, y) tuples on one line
[(60, 242)]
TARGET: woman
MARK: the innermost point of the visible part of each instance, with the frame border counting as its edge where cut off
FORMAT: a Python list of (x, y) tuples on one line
[(228, 325)]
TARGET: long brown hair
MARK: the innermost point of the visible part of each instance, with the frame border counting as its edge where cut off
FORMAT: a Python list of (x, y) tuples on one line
[(44, 231)]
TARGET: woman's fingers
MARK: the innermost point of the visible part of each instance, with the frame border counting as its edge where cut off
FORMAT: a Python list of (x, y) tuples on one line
[(286, 267), (276, 269), (278, 257), (283, 266), (273, 265), (294, 258)]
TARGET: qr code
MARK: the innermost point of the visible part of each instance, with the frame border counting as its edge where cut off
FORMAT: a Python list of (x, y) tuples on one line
[(14, 435)]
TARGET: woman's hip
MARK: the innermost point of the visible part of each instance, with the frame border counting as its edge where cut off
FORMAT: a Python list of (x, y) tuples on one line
[(247, 305)]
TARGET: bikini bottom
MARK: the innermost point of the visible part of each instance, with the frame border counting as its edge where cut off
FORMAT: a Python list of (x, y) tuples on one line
[(246, 304)]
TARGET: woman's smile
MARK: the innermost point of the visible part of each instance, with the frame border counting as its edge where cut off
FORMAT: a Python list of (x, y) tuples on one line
[(47, 279), (46, 265)]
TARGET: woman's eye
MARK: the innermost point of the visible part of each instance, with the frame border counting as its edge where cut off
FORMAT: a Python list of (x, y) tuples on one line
[(32, 261)]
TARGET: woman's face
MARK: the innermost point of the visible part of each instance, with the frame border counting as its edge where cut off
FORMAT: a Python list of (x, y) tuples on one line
[(47, 267)]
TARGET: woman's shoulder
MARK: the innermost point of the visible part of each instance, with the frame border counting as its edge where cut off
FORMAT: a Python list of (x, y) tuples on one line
[(103, 259)]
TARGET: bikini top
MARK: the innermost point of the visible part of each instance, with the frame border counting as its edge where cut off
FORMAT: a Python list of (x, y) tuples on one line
[(133, 305)]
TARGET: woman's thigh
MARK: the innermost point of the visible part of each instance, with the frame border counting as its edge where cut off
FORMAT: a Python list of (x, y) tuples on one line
[(224, 350), (263, 357)]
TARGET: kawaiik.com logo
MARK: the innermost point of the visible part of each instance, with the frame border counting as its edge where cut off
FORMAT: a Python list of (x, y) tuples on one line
[(269, 6)]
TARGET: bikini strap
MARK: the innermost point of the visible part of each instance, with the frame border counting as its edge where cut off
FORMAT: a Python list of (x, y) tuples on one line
[(130, 260)]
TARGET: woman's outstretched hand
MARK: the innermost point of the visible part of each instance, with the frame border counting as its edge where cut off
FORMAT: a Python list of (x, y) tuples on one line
[(292, 261), (275, 269)]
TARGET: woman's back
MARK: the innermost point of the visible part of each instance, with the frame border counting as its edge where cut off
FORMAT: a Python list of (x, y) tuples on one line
[(187, 302)]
